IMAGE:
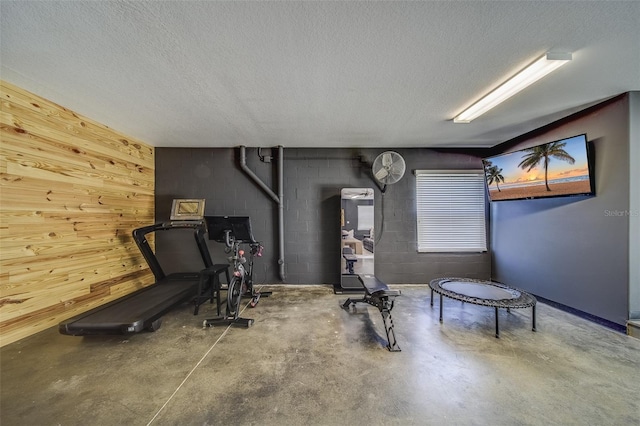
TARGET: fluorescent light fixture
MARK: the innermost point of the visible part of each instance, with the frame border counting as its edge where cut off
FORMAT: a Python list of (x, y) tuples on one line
[(518, 82)]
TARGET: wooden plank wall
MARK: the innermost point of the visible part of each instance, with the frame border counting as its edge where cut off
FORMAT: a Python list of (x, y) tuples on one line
[(71, 192)]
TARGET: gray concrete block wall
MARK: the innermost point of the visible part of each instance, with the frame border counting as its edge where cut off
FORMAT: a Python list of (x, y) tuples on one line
[(313, 180)]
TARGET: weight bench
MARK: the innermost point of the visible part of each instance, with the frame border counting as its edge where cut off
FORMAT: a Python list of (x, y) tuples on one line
[(378, 294), (350, 258)]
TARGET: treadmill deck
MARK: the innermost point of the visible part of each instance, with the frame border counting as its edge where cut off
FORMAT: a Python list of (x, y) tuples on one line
[(135, 312)]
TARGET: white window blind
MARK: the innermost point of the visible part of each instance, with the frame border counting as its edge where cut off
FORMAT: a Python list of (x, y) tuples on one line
[(365, 218), (451, 211)]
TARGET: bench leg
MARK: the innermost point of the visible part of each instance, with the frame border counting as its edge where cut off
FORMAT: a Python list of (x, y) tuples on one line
[(385, 306), (347, 303), (385, 310), (350, 267), (351, 301)]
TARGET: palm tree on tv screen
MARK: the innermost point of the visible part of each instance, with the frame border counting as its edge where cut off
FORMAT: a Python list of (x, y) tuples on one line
[(493, 174), (545, 153)]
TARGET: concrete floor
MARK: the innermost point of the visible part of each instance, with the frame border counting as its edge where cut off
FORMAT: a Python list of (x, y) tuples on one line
[(305, 361)]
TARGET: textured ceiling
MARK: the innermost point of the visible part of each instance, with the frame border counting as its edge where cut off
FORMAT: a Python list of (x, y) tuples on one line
[(316, 74)]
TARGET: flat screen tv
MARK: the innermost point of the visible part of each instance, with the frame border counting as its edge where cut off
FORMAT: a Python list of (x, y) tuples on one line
[(556, 169)]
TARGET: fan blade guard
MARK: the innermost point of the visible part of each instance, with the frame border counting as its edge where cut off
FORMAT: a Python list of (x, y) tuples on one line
[(388, 167)]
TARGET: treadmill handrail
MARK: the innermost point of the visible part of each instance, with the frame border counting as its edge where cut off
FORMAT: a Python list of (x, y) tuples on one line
[(199, 229)]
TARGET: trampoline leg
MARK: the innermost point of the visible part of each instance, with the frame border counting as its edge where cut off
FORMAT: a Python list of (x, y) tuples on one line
[(431, 297), (533, 312), (441, 297), (497, 329)]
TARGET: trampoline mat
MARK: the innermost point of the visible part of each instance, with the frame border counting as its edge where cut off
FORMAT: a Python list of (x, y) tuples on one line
[(479, 290)]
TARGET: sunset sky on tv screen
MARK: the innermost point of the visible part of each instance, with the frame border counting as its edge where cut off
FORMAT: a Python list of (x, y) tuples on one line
[(563, 177)]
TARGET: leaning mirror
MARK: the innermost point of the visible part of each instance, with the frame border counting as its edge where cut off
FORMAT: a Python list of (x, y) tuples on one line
[(357, 236)]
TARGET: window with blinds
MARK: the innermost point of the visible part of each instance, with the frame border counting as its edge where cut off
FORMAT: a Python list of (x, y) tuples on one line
[(451, 211)]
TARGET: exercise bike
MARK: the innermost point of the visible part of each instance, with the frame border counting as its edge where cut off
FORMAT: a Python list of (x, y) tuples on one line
[(234, 231)]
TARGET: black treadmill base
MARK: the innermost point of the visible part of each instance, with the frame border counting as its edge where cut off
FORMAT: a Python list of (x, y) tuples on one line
[(135, 312)]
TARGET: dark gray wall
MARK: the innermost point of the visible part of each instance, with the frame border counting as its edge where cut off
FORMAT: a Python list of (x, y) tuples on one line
[(574, 251), (634, 205), (313, 180)]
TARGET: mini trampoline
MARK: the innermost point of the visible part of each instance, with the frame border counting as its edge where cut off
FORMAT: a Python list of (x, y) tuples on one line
[(484, 293)]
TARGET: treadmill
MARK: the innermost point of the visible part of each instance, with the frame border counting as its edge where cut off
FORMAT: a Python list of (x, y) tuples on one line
[(143, 309)]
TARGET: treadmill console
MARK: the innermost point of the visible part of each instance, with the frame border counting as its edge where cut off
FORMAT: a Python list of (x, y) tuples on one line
[(187, 209), (238, 227)]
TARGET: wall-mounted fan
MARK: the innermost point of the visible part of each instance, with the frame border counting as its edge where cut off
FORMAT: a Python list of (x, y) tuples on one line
[(388, 168)]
